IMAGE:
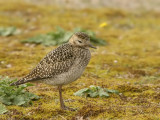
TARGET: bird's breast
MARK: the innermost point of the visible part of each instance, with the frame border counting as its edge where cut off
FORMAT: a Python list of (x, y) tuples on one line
[(73, 73)]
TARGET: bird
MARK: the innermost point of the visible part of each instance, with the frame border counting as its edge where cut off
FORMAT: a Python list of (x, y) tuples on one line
[(62, 65)]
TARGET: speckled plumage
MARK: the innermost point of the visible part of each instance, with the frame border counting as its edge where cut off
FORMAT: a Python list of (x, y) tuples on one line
[(60, 66), (63, 65), (82, 35)]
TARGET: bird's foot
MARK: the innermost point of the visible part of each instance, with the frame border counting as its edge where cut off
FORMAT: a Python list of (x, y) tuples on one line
[(68, 108)]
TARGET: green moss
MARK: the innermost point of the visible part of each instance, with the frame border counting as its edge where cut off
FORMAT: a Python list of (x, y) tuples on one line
[(129, 63)]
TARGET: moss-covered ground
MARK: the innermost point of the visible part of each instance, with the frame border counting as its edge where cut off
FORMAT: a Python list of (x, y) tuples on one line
[(130, 62)]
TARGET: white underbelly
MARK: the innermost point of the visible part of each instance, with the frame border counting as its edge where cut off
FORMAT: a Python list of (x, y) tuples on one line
[(72, 74), (65, 78)]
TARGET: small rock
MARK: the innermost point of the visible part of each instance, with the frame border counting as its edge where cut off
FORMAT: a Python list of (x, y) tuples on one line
[(115, 61), (9, 66), (2, 62)]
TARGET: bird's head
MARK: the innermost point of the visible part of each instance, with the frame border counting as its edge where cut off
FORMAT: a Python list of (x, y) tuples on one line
[(81, 39)]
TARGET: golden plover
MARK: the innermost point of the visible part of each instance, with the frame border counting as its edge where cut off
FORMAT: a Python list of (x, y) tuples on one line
[(62, 65)]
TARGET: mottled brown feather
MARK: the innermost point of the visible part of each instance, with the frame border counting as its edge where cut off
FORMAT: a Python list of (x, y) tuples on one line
[(55, 62), (63, 65)]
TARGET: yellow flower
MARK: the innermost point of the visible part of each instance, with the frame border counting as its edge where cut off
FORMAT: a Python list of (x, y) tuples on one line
[(104, 24)]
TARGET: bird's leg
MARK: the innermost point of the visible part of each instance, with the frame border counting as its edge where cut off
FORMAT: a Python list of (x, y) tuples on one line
[(60, 97), (61, 100)]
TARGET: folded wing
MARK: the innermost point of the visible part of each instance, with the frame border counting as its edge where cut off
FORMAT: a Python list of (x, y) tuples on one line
[(55, 62)]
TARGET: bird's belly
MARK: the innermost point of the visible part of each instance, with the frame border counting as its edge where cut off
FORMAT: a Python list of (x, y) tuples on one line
[(65, 78)]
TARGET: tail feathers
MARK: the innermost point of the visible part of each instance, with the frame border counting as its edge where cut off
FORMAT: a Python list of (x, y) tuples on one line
[(19, 82)]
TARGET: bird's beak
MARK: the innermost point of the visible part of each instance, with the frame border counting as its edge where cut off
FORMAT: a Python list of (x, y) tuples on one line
[(91, 46)]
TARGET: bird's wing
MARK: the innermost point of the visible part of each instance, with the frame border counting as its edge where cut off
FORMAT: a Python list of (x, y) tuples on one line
[(55, 62)]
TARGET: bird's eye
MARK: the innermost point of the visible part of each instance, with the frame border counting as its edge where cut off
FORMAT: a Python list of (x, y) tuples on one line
[(79, 41)]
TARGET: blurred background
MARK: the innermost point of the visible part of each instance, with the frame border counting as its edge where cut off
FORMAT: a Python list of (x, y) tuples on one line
[(118, 4), (127, 58)]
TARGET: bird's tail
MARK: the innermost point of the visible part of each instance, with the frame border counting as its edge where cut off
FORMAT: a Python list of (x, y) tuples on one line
[(19, 82)]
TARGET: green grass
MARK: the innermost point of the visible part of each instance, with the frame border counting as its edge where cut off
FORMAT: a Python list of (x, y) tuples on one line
[(14, 95), (94, 91), (3, 109), (61, 36), (128, 63), (8, 31)]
